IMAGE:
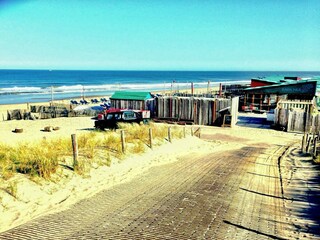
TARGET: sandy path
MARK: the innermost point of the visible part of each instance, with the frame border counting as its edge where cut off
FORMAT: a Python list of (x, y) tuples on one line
[(251, 152), (201, 195)]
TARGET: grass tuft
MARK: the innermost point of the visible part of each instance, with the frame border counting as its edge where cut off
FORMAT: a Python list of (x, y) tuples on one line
[(12, 189), (42, 159), (138, 147)]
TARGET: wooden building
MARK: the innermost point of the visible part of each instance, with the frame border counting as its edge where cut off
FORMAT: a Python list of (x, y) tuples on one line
[(293, 99), (271, 80), (133, 100), (266, 97)]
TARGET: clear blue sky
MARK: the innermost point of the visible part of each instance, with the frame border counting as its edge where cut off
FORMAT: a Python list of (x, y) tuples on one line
[(160, 35)]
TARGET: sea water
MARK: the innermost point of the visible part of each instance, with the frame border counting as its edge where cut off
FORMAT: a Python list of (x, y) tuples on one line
[(21, 86)]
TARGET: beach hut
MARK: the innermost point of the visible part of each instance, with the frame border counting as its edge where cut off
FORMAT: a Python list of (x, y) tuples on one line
[(133, 100)]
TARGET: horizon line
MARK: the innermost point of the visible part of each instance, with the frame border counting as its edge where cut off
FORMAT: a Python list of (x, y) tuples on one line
[(150, 70)]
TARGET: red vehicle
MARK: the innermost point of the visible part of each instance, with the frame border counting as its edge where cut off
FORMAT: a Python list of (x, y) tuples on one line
[(110, 118)]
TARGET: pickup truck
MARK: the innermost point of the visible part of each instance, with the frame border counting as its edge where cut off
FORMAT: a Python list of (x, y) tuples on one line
[(110, 118)]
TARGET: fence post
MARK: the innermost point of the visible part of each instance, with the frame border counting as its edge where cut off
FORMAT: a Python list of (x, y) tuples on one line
[(75, 150), (150, 137), (169, 134), (122, 141), (303, 144), (315, 147), (308, 144)]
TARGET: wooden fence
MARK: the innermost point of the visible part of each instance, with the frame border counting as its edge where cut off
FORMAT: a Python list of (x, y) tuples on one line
[(75, 149), (297, 116), (200, 111)]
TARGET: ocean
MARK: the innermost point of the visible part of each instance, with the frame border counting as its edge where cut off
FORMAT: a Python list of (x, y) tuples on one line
[(21, 86)]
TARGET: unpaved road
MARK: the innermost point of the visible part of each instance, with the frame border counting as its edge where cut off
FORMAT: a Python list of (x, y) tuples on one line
[(227, 195)]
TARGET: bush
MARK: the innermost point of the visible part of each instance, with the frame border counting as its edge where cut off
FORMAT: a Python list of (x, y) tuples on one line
[(42, 159), (7, 168), (35, 160)]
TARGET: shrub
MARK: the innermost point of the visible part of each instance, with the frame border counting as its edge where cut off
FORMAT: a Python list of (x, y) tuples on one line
[(138, 147), (35, 160), (112, 142), (7, 168)]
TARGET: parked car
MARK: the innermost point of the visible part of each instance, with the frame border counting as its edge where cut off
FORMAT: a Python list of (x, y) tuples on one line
[(111, 118)]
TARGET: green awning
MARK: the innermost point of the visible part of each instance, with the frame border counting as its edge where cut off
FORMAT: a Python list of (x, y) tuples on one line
[(124, 95)]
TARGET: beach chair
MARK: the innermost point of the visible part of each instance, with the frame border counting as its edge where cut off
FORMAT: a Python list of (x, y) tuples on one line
[(107, 105), (85, 101), (92, 101)]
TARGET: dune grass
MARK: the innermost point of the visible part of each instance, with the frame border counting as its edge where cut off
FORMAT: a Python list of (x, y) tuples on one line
[(42, 159)]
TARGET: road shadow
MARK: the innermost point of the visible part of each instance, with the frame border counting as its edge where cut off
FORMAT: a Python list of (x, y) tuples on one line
[(253, 230), (303, 186), (254, 121)]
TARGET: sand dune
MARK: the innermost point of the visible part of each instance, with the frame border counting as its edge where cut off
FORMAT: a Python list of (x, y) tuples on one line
[(66, 187)]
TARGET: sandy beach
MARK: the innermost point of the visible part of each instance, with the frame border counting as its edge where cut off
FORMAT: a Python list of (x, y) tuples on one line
[(37, 198)]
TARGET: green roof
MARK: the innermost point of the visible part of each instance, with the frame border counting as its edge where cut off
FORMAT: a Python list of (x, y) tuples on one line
[(124, 95)]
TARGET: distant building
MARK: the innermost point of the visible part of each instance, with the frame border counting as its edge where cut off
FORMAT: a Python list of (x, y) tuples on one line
[(271, 80), (265, 92)]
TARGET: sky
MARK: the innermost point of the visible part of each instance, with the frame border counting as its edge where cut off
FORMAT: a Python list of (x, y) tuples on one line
[(160, 35)]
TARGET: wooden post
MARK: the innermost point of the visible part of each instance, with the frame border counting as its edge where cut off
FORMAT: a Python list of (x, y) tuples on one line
[(308, 144), (192, 89), (52, 95), (195, 119), (199, 132), (184, 131), (169, 134), (150, 137), (303, 144), (245, 100), (315, 147), (75, 150), (252, 103), (122, 141), (192, 131)]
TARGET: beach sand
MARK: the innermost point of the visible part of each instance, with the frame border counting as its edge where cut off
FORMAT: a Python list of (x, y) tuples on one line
[(35, 198)]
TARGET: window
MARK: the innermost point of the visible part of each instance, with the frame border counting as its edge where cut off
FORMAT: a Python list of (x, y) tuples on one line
[(128, 115), (109, 116)]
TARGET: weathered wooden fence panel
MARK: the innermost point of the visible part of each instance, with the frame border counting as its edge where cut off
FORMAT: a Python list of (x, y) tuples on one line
[(295, 116), (234, 110), (202, 111)]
